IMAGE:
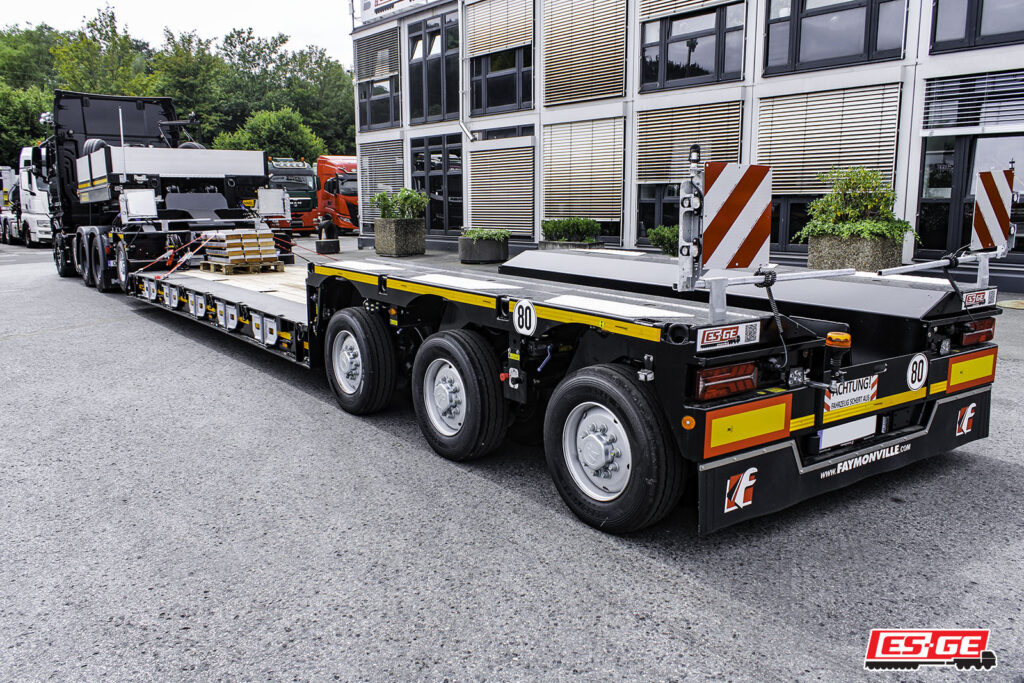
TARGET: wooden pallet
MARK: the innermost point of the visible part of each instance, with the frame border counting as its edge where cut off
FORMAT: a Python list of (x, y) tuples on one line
[(247, 268)]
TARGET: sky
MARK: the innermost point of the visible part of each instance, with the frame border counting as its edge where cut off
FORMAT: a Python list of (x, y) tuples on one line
[(324, 24)]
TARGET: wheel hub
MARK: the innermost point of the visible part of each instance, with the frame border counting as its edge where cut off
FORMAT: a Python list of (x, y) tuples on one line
[(348, 365), (444, 395), (597, 451)]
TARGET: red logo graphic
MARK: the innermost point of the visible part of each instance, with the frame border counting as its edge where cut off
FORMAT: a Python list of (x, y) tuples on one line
[(965, 420), (911, 648), (975, 299), (719, 335), (739, 490)]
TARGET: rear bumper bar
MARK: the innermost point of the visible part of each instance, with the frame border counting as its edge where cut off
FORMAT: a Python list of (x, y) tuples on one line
[(764, 480)]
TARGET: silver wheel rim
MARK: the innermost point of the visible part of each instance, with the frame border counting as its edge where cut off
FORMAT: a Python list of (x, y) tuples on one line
[(597, 451), (444, 395), (122, 266), (348, 363)]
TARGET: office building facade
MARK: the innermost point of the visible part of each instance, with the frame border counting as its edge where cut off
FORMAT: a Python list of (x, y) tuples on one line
[(510, 112)]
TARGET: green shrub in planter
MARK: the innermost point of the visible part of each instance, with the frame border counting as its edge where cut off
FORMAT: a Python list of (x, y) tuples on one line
[(666, 238), (401, 229), (853, 226), (482, 245), (569, 233)]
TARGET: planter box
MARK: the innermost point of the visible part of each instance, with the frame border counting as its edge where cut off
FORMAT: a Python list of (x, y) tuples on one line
[(482, 251), (548, 244), (827, 253), (400, 236)]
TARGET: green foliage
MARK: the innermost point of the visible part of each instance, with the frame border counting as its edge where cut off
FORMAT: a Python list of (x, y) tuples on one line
[(323, 91), (187, 69), (858, 205), (101, 58), (405, 204), (571, 229), (497, 234), (19, 120), (224, 81), (279, 133), (869, 228), (666, 238), (25, 58)]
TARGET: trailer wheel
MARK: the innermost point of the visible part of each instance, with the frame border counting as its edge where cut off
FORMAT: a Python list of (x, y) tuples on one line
[(457, 395), (122, 267), (100, 272), (359, 357), (61, 259), (76, 254), (609, 450), (87, 256)]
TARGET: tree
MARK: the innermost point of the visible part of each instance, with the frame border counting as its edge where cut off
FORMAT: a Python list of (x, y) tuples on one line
[(102, 58), (254, 79), (19, 119), (322, 90), (279, 133), (25, 58), (187, 70)]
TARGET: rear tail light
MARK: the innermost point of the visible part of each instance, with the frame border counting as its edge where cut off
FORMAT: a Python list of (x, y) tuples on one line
[(724, 381), (978, 332)]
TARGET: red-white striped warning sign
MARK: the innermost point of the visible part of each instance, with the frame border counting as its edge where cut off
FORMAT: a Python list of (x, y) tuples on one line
[(992, 209), (737, 214)]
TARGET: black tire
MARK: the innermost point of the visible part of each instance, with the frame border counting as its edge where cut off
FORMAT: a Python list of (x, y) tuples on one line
[(378, 365), (3, 233), (77, 255), (655, 469), (485, 412), (328, 230), (87, 256), (26, 236), (123, 267), (61, 257)]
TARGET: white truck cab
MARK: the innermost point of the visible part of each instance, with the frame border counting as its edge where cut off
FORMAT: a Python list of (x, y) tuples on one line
[(8, 180), (32, 223)]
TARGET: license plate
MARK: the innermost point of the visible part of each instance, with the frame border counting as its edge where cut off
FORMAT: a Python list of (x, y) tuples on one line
[(850, 431)]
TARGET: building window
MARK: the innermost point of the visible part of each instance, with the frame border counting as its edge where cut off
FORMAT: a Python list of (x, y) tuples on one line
[(508, 132), (437, 170), (965, 24), (789, 216), (502, 81), (693, 48), (379, 104), (434, 69), (813, 34), (657, 205)]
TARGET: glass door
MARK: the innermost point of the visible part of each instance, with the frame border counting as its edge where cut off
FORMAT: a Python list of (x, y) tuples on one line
[(437, 170)]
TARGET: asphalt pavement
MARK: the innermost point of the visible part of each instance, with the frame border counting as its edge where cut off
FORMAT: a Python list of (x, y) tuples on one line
[(178, 505)]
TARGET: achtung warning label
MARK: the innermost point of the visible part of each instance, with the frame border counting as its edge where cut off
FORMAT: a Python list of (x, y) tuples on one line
[(852, 392)]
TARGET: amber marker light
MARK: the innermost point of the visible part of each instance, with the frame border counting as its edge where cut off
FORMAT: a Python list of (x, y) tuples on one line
[(838, 340)]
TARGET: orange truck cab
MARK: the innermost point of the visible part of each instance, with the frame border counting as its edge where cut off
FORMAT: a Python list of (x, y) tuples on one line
[(338, 196)]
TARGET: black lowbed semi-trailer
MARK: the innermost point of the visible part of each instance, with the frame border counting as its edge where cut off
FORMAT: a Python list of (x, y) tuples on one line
[(632, 394), (105, 147)]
